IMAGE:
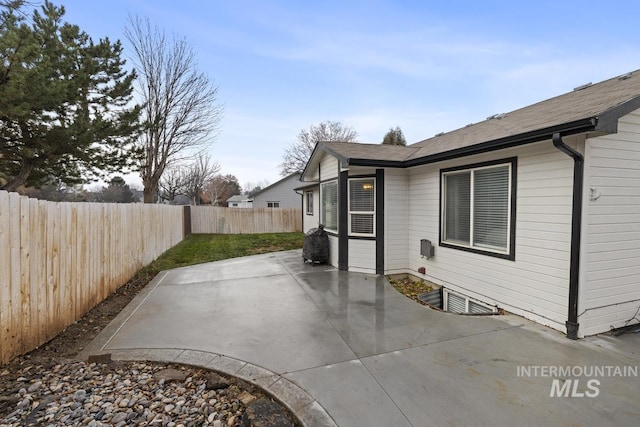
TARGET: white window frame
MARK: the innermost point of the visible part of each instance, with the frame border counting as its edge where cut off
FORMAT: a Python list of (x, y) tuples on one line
[(273, 204), (356, 212), (504, 252), (322, 207), (469, 303), (308, 202)]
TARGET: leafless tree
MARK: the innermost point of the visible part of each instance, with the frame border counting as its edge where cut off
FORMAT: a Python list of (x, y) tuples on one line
[(251, 187), (171, 183), (298, 153), (196, 174), (219, 188), (180, 109)]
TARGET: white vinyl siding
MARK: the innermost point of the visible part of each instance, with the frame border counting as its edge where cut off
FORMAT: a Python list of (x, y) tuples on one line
[(328, 167), (281, 192), (362, 256), (312, 221), (611, 265), (333, 250), (535, 284), (396, 220)]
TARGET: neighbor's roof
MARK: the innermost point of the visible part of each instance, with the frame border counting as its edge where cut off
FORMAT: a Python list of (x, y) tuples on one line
[(286, 178), (593, 108), (238, 198)]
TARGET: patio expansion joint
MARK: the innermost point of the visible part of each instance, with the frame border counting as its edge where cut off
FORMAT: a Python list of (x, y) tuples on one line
[(214, 281), (442, 341)]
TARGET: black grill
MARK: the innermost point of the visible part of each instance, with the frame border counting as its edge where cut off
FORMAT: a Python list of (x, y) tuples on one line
[(316, 246)]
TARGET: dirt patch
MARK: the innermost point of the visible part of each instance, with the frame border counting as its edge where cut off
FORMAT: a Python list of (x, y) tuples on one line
[(76, 336), (412, 287)]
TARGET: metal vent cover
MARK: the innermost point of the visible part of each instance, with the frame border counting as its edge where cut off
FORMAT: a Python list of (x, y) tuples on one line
[(455, 303)]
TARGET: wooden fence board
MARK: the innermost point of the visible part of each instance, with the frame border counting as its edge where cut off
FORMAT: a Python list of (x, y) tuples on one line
[(15, 324), (219, 220), (58, 260), (5, 273)]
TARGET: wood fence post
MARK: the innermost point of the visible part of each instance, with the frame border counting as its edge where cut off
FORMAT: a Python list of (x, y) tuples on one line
[(186, 221)]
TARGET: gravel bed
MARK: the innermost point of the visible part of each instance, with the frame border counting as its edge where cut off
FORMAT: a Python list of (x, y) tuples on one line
[(73, 393)]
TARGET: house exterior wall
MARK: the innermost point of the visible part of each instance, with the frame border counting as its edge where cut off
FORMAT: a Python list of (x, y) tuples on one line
[(610, 291), (362, 256), (396, 220), (245, 204), (328, 167), (311, 221), (281, 192), (362, 252), (535, 284), (333, 250)]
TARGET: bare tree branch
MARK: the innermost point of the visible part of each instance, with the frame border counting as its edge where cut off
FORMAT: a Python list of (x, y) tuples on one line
[(298, 153), (180, 110), (219, 188), (171, 184), (196, 175)]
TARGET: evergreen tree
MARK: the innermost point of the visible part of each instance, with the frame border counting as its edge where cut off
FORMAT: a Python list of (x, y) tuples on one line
[(394, 137), (118, 191), (65, 102)]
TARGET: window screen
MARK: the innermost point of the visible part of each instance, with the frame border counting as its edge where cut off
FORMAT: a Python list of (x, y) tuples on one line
[(458, 207), (309, 202), (329, 205), (477, 207), (362, 206), (491, 207)]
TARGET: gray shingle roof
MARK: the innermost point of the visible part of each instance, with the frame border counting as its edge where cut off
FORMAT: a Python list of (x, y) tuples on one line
[(594, 108)]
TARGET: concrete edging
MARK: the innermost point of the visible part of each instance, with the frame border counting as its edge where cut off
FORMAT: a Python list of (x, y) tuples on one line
[(307, 409)]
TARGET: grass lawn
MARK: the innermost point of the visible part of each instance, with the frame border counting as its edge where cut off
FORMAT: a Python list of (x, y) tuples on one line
[(199, 248)]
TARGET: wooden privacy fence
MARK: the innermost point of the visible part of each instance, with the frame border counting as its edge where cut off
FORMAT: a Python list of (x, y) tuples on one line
[(218, 220), (59, 260)]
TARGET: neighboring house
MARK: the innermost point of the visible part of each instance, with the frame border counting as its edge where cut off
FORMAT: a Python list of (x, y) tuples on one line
[(536, 211), (280, 194), (239, 201)]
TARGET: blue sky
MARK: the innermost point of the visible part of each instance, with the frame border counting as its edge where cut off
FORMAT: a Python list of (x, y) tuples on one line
[(426, 66)]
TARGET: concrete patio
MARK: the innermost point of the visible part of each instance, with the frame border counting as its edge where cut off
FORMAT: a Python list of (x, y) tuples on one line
[(347, 349)]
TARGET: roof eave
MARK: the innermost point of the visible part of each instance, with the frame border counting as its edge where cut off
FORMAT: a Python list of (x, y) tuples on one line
[(565, 129), (604, 123), (376, 163), (308, 186), (608, 120)]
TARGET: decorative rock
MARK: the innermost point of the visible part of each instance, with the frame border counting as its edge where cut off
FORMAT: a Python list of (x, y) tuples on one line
[(170, 374), (246, 398), (119, 417), (121, 394), (265, 413), (80, 396), (34, 387), (215, 381)]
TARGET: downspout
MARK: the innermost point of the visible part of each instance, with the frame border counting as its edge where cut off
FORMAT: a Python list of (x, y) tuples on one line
[(576, 218)]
